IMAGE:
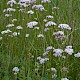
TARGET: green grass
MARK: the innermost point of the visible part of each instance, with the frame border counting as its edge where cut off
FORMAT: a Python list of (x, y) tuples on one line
[(17, 51)]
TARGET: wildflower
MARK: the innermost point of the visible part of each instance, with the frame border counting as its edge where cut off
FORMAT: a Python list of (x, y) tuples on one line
[(44, 1), (49, 48), (54, 76), (14, 20), (6, 31), (15, 70), (45, 53), (19, 27), (31, 24), (8, 15), (38, 7), (64, 57), (57, 52), (50, 23), (45, 20), (38, 58), (30, 12), (54, 70), (11, 2), (69, 50), (27, 1), (16, 33), (64, 26), (22, 10), (10, 25), (64, 79), (42, 60), (49, 16), (58, 33), (40, 36), (36, 28), (9, 10), (46, 29), (77, 55), (27, 35)]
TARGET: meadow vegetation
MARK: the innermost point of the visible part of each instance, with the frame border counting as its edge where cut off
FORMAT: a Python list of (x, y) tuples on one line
[(39, 39)]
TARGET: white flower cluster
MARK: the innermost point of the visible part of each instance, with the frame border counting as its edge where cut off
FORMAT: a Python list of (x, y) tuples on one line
[(27, 35), (59, 35), (15, 34), (27, 1), (8, 15), (6, 31), (40, 36), (54, 73), (77, 55), (10, 25), (64, 79), (9, 10), (50, 23), (42, 60), (64, 26), (49, 16), (15, 70), (57, 52), (44, 1), (38, 7), (46, 29), (19, 27), (69, 50), (11, 2), (47, 50), (31, 24), (14, 20), (30, 12)]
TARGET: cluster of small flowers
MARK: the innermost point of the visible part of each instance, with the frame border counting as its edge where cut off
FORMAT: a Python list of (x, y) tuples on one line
[(19, 27), (50, 23), (6, 31), (10, 25), (49, 16), (8, 15), (30, 12), (40, 36), (16, 70), (46, 29), (59, 35), (27, 1), (9, 10), (11, 2), (38, 7), (64, 26), (47, 50), (77, 55), (54, 73), (42, 60), (31, 24), (44, 1), (64, 79), (69, 50), (15, 34), (57, 52)]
